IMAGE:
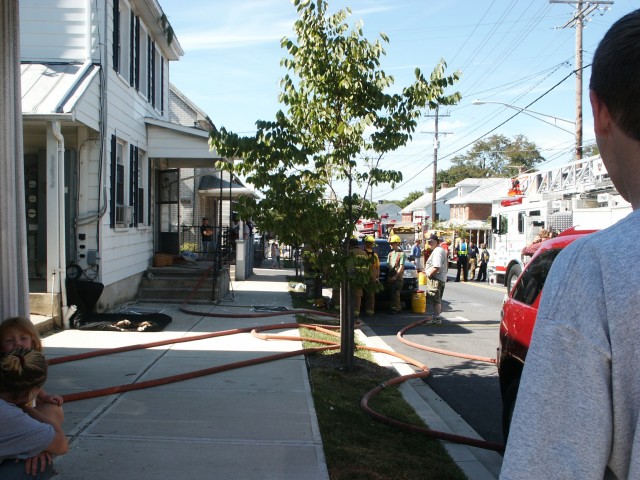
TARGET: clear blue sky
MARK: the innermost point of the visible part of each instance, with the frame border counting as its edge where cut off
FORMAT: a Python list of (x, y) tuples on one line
[(510, 51)]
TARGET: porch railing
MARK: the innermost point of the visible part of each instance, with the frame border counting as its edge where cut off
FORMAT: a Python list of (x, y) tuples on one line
[(222, 249)]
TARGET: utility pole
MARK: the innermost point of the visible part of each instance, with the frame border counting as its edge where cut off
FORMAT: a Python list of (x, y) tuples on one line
[(582, 10), (436, 145)]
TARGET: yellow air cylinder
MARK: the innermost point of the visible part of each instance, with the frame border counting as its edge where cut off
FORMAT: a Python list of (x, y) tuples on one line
[(419, 302), (422, 278)]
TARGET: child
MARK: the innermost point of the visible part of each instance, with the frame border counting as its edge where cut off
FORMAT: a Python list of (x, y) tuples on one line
[(19, 332), (29, 438)]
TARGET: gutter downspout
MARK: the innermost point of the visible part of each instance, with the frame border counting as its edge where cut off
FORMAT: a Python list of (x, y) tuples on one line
[(61, 270)]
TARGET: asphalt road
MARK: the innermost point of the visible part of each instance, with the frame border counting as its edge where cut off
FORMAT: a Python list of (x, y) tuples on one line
[(472, 320)]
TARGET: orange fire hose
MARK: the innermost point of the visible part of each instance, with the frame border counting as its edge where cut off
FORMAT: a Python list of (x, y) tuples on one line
[(364, 402), (438, 350)]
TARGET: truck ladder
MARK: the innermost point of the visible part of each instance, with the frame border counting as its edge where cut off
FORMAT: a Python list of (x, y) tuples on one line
[(574, 177)]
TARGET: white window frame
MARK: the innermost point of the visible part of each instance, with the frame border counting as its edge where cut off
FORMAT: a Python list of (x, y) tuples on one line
[(124, 62), (121, 194), (144, 62)]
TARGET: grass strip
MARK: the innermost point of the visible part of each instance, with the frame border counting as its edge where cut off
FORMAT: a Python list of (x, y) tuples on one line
[(355, 445)]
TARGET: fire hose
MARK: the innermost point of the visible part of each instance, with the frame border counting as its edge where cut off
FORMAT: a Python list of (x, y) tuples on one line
[(256, 332)]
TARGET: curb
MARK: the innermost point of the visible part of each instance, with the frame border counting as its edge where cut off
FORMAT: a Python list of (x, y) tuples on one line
[(476, 463)]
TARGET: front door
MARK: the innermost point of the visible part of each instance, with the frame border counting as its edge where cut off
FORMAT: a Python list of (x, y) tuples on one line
[(168, 212)]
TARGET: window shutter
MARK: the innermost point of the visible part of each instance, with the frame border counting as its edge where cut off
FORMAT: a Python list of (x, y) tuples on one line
[(114, 161), (161, 84), (132, 50), (116, 35), (152, 72), (149, 197), (137, 47), (136, 172), (132, 193)]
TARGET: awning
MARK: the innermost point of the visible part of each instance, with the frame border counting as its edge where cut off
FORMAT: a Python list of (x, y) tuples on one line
[(179, 146), (214, 186), (467, 224), (55, 89)]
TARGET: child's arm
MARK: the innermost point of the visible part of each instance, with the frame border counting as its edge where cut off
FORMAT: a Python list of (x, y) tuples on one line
[(59, 445), (44, 397)]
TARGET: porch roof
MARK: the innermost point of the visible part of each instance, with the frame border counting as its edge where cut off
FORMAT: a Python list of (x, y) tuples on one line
[(213, 186), (54, 88), (181, 146)]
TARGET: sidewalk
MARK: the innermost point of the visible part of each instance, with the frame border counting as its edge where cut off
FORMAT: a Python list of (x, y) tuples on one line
[(256, 422)]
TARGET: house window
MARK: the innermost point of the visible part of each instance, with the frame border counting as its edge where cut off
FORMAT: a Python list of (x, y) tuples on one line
[(124, 183), (156, 73), (143, 65), (143, 172), (121, 39), (119, 184)]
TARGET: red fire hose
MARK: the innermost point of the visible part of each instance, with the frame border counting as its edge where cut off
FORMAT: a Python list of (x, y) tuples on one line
[(364, 402)]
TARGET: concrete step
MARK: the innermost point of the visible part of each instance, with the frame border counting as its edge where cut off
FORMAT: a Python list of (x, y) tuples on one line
[(173, 300), (43, 324), (175, 284), (182, 293)]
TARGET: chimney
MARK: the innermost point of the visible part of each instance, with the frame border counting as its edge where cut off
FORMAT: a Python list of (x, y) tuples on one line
[(444, 185)]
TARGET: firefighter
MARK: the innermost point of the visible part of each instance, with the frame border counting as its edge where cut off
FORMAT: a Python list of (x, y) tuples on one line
[(360, 271), (462, 250), (374, 286), (395, 275)]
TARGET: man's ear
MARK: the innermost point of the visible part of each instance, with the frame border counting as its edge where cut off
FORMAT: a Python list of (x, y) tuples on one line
[(601, 115)]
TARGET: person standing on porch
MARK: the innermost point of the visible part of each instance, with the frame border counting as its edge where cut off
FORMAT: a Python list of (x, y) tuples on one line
[(206, 236)]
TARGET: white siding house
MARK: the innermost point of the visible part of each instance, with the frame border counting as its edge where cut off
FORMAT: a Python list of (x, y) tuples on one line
[(420, 209), (100, 145)]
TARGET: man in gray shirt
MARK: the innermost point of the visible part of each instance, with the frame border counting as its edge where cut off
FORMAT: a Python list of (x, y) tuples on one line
[(578, 410)]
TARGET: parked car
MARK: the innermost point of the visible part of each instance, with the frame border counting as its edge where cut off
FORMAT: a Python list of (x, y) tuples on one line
[(410, 278), (518, 316)]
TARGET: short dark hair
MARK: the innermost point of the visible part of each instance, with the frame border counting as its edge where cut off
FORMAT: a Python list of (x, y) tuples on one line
[(615, 72)]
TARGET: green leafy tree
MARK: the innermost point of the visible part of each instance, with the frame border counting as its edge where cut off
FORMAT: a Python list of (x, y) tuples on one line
[(590, 150), (339, 122), (495, 156), (409, 198)]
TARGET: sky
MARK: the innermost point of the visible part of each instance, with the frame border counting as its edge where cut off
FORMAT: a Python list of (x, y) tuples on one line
[(519, 53)]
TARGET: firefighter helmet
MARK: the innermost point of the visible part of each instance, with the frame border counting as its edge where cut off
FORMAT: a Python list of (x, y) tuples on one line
[(369, 239), (394, 239)]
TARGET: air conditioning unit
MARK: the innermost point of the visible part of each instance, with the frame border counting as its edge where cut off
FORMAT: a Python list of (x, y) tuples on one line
[(124, 215)]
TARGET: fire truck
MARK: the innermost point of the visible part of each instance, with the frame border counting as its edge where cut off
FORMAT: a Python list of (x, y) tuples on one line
[(577, 194)]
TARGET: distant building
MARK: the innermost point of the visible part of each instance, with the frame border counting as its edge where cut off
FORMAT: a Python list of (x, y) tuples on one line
[(419, 211), (471, 207)]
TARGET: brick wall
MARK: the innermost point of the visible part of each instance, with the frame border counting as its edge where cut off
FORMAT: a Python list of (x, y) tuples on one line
[(475, 211)]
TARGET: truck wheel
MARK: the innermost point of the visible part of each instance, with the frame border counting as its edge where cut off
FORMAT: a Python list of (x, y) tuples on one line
[(514, 273), (508, 404)]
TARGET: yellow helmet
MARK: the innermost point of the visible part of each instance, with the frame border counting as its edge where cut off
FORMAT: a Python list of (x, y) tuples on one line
[(369, 239), (394, 239)]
